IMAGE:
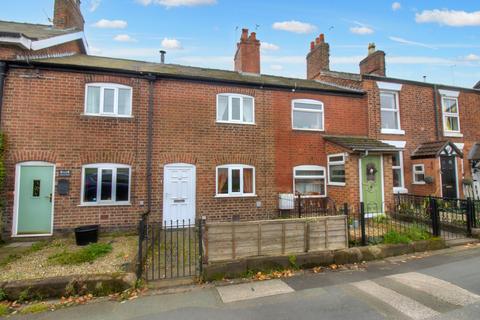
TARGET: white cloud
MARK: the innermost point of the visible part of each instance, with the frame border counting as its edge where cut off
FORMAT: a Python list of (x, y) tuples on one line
[(361, 30), (276, 67), (294, 26), (447, 17), (177, 3), (110, 24), (396, 6), (471, 58), (409, 42), (124, 38), (171, 44), (94, 4), (269, 46)]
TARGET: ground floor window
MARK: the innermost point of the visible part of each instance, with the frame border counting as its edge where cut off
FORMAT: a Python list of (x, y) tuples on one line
[(418, 173), (336, 169), (106, 184), (309, 180), (397, 167), (235, 180)]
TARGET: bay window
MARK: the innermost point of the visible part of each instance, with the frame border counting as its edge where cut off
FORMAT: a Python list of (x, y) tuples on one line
[(105, 184), (309, 180), (235, 180)]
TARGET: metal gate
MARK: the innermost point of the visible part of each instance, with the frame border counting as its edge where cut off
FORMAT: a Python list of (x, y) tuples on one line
[(452, 218), (169, 249)]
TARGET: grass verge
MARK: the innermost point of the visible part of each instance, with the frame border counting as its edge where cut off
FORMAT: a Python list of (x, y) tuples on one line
[(407, 236), (4, 310), (35, 308)]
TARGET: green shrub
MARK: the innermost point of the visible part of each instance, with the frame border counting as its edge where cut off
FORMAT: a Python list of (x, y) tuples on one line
[(393, 237), (3, 295), (4, 310), (293, 262), (88, 254), (416, 234)]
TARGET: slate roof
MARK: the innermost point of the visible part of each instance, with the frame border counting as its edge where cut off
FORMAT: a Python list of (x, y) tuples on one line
[(84, 62), (357, 143), (474, 153), (432, 149), (31, 31)]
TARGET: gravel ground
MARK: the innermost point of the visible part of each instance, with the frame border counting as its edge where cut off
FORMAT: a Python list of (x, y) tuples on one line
[(35, 265)]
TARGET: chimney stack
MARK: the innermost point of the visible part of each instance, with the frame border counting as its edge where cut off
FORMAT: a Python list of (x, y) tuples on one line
[(67, 15), (318, 58), (247, 57), (374, 63)]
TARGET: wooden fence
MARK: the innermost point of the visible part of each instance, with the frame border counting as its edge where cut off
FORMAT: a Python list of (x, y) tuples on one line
[(225, 241)]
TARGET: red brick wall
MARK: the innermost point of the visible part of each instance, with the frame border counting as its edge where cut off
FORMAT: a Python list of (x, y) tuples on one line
[(343, 115), (374, 63)]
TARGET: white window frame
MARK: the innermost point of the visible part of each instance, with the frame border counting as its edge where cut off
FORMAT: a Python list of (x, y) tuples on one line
[(308, 101), (336, 163), (229, 108), (415, 172), (311, 168), (450, 133), (100, 167), (396, 111), (400, 167), (230, 168), (112, 86)]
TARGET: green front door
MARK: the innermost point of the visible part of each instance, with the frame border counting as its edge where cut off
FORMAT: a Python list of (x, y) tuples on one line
[(371, 168), (35, 200)]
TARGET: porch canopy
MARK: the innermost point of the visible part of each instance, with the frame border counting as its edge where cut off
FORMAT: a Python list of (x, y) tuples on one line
[(361, 144), (435, 149)]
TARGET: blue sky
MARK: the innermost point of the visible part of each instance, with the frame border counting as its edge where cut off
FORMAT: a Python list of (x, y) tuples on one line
[(436, 39)]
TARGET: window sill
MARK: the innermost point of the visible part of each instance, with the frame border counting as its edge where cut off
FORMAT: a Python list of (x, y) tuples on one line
[(227, 196), (452, 134), (419, 183), (105, 204), (312, 130), (400, 190), (237, 123), (337, 184), (111, 116), (392, 131)]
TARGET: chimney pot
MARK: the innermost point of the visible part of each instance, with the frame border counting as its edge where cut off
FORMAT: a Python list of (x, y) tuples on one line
[(244, 34), (162, 56), (371, 48), (322, 38), (317, 41), (253, 36), (312, 45)]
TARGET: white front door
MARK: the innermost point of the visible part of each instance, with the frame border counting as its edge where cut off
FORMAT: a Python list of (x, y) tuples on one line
[(179, 194)]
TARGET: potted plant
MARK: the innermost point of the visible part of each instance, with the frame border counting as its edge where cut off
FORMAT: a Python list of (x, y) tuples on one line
[(428, 179), (467, 181)]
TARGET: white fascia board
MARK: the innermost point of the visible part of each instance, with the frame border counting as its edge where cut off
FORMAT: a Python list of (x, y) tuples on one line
[(54, 41), (389, 86), (449, 93), (22, 41)]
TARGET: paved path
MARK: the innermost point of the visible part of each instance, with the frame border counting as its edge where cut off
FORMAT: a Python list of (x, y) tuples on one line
[(442, 286)]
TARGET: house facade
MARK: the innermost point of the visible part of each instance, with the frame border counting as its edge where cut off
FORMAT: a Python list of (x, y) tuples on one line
[(95, 140)]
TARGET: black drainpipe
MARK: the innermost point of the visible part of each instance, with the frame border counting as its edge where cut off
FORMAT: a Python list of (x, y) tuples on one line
[(3, 75), (435, 105), (151, 88)]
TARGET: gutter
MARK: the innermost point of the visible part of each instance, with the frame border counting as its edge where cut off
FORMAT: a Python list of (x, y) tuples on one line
[(3, 75)]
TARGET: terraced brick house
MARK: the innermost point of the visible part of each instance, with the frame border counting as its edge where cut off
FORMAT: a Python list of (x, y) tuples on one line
[(96, 140), (431, 125)]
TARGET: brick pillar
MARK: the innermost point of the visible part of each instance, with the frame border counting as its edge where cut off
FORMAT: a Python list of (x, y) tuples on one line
[(67, 15), (374, 63), (318, 58), (247, 57)]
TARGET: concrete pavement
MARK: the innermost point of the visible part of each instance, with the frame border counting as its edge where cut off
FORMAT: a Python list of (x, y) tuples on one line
[(441, 286)]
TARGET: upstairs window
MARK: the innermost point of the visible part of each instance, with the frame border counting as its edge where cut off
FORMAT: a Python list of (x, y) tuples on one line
[(105, 184), (307, 115), (235, 108), (390, 114), (235, 180), (451, 118), (336, 169), (418, 174), (108, 99), (309, 180)]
